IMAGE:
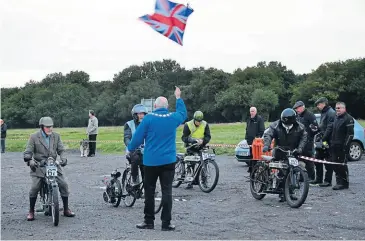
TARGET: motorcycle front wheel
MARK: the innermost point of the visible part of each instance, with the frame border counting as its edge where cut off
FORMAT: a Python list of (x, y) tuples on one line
[(55, 208), (296, 187), (208, 169), (129, 196)]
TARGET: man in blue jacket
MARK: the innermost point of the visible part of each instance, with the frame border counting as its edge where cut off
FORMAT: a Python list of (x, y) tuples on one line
[(158, 130)]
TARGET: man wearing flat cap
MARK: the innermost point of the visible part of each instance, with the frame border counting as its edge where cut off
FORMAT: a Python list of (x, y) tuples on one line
[(308, 119), (328, 115)]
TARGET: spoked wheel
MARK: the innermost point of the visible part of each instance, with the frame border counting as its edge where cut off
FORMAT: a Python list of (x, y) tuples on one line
[(179, 174), (158, 197), (208, 176), (257, 182), (117, 191), (55, 207), (43, 200), (129, 197), (296, 187)]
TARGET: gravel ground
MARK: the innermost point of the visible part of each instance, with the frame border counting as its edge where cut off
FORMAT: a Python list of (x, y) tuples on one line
[(229, 212)]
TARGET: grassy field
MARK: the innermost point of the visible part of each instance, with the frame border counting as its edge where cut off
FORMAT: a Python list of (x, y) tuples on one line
[(221, 134)]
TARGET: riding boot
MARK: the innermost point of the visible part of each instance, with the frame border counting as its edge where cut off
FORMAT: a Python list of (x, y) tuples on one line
[(32, 201), (66, 211)]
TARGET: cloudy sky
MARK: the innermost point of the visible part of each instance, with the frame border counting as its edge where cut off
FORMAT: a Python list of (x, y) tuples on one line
[(39, 37)]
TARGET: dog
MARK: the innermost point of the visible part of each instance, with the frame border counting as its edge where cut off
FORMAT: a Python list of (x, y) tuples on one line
[(84, 147)]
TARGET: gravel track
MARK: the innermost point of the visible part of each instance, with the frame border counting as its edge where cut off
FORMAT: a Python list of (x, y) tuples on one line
[(228, 212)]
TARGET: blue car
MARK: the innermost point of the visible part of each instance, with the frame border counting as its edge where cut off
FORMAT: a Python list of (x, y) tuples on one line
[(358, 143)]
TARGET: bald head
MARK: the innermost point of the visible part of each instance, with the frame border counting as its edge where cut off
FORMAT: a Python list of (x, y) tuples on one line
[(253, 112), (161, 102)]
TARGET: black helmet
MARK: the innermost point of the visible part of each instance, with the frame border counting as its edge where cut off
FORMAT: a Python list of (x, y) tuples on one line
[(288, 116)]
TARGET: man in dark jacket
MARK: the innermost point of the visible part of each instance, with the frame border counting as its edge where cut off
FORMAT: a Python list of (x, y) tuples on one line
[(135, 158), (288, 133), (328, 115), (3, 135), (308, 119), (340, 133), (255, 127)]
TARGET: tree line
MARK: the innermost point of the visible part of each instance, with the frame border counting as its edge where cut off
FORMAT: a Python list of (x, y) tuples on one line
[(222, 96)]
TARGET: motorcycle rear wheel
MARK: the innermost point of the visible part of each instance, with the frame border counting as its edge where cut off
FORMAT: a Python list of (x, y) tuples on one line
[(257, 177), (179, 173), (117, 190)]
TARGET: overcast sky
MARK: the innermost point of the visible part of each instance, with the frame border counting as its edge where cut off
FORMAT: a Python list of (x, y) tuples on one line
[(39, 37)]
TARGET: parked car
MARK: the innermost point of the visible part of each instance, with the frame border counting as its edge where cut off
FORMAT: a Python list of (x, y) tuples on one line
[(243, 152), (357, 145)]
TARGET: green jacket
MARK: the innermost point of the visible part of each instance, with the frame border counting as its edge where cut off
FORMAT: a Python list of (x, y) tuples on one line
[(38, 149)]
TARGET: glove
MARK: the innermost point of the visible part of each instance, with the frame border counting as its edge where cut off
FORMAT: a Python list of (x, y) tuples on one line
[(63, 163), (265, 149), (297, 152), (194, 141), (32, 165), (27, 159), (313, 127)]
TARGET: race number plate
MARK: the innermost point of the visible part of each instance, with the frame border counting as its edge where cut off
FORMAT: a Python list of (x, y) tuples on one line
[(293, 161), (205, 155), (51, 171)]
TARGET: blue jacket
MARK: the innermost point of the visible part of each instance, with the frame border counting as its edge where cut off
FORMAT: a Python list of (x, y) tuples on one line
[(158, 129)]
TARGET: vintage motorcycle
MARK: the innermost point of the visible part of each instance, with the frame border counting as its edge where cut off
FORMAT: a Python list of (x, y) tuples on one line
[(281, 174), (196, 168), (49, 190), (113, 192)]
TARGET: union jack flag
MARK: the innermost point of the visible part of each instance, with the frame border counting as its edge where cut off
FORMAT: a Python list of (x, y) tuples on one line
[(169, 19)]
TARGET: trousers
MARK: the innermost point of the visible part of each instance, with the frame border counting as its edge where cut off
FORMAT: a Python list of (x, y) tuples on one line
[(166, 175), (323, 155), (338, 154), (92, 144), (2, 145), (37, 184)]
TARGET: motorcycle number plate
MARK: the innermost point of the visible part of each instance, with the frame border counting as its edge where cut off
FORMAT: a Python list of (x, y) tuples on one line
[(293, 161), (51, 171)]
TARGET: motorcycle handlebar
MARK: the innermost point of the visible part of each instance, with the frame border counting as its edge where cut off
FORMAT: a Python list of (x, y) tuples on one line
[(44, 163)]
